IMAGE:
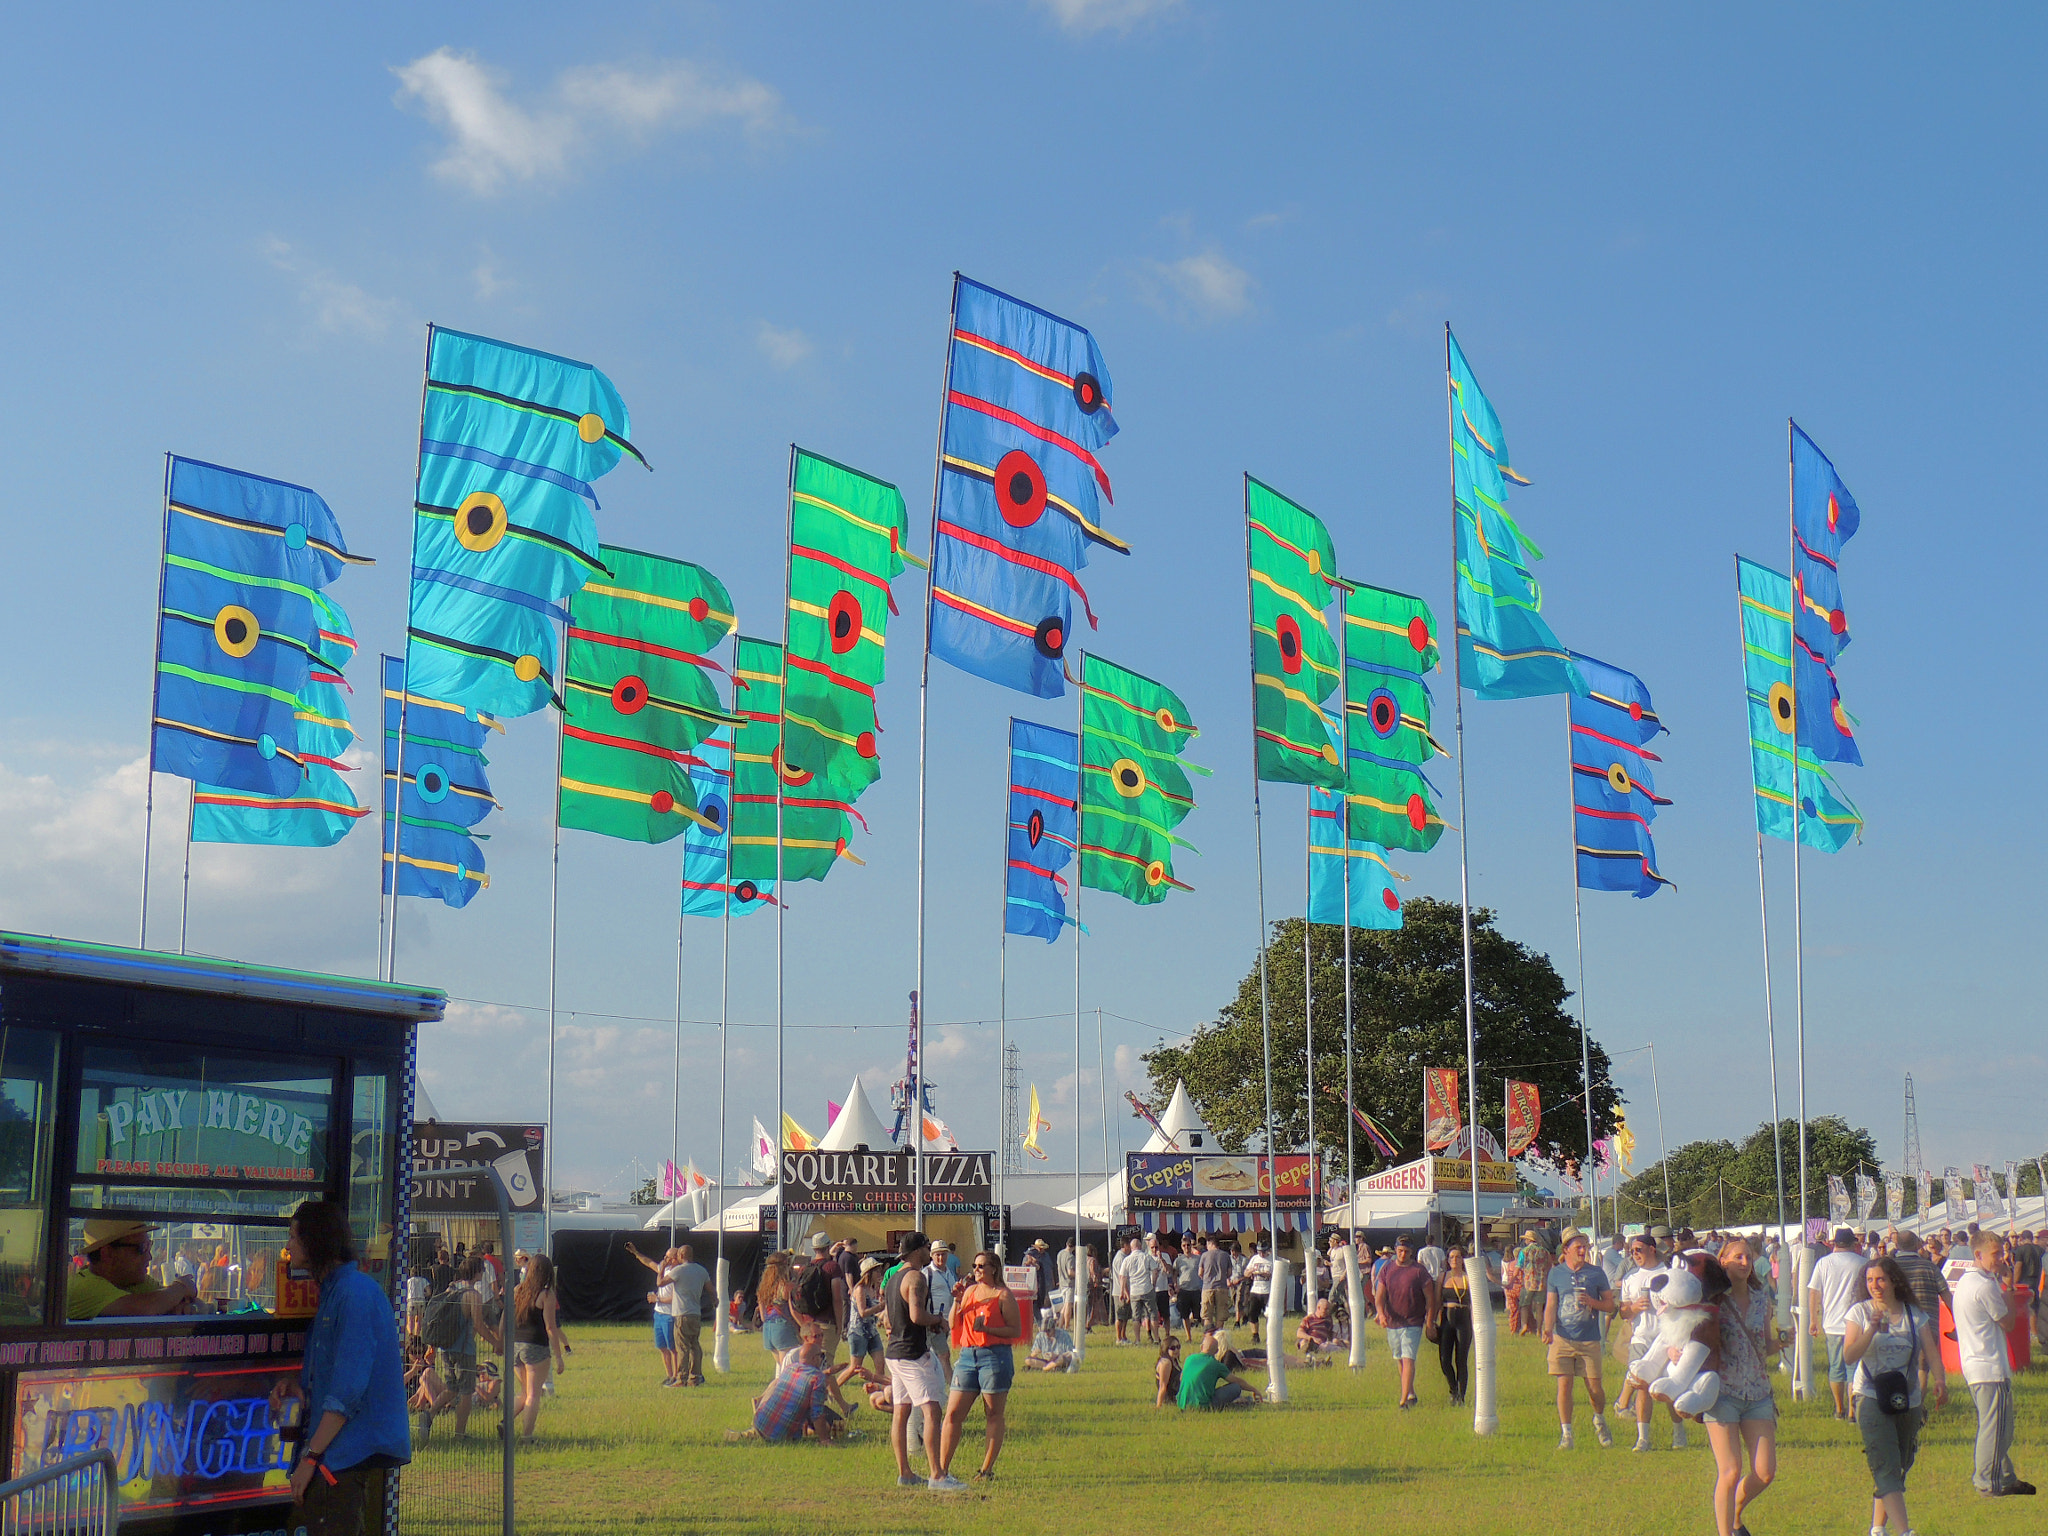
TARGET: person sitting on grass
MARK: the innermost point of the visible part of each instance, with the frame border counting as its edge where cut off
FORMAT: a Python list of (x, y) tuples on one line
[(1204, 1383), (1317, 1335), (1167, 1372), (1052, 1349)]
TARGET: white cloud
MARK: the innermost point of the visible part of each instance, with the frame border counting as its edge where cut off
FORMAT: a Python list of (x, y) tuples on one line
[(1085, 17), (488, 281), (1421, 312), (494, 140), (338, 307), (785, 349), (1205, 287)]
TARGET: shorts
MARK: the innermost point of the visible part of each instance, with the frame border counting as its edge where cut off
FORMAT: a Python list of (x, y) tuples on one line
[(984, 1368), (780, 1335), (1839, 1368), (1405, 1343), (459, 1373), (1891, 1442), (863, 1337), (531, 1354), (1729, 1409), (1123, 1311), (1190, 1304), (1146, 1308), (917, 1381), (1215, 1308), (664, 1332), (1575, 1357), (1162, 1302)]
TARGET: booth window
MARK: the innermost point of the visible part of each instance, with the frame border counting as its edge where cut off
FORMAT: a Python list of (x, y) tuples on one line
[(213, 1151), (369, 1196), (28, 1093)]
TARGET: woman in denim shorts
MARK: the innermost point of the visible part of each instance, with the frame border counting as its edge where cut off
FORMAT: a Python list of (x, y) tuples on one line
[(1742, 1424), (986, 1324), (863, 1308)]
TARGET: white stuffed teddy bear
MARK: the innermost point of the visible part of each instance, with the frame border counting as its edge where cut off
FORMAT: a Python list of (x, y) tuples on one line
[(1671, 1367)]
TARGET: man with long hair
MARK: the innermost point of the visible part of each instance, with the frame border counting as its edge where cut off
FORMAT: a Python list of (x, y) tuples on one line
[(352, 1383)]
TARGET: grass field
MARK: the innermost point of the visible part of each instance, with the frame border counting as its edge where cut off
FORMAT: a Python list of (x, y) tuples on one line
[(1088, 1453)]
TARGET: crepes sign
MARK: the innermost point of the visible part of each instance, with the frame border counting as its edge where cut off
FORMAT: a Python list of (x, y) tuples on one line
[(1198, 1181)]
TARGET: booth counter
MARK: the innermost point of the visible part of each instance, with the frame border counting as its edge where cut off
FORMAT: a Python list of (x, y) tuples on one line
[(204, 1100)]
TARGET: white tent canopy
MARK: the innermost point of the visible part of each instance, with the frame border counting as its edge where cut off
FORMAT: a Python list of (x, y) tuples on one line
[(1189, 1132), (857, 1125)]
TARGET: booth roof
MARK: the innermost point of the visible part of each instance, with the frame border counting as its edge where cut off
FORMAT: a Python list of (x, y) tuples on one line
[(857, 1125)]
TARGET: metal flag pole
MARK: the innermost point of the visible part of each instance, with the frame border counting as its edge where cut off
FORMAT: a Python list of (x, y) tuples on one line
[(404, 700), (1485, 1419), (554, 890), (1107, 1229), (185, 886), (781, 890), (1259, 864), (675, 1114), (1579, 940), (1308, 1008), (1663, 1149), (924, 683), (1004, 1130), (155, 694), (1801, 1377), (1079, 1334), (721, 1360)]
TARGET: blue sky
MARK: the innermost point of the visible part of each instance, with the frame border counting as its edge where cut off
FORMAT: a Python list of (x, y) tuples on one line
[(1657, 235)]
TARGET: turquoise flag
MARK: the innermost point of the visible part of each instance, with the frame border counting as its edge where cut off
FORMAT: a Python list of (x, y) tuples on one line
[(1505, 649), (1374, 901), (1826, 818)]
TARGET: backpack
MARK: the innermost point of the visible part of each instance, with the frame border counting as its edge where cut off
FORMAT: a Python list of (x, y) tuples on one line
[(445, 1325), (814, 1294)]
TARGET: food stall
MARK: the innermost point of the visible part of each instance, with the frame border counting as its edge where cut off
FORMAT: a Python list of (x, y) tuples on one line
[(181, 1108)]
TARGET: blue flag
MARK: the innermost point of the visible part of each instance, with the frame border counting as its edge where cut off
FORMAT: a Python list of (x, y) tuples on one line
[(1045, 792), (442, 788), (1505, 649), (1020, 489), (1827, 819), (1374, 901), (239, 627), (708, 889), (1614, 795), (1824, 518)]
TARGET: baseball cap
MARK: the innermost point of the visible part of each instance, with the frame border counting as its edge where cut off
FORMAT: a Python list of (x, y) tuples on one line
[(942, 1246), (111, 1230)]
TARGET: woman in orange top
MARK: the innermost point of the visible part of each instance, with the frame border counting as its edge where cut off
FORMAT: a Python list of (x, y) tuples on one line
[(986, 1323)]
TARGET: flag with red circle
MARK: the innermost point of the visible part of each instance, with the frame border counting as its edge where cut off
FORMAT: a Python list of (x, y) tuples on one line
[(1614, 795)]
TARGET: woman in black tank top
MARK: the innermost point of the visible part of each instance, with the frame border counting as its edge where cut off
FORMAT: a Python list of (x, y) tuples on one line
[(536, 1339)]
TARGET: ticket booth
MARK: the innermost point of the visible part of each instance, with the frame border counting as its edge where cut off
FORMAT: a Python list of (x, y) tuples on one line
[(169, 1113)]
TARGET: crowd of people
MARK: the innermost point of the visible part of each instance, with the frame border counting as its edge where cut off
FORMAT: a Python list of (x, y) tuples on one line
[(454, 1323)]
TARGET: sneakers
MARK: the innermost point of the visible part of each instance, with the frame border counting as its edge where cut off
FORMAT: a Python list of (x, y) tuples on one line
[(1678, 1440), (985, 1475), (905, 1481), (946, 1484), (1643, 1438), (1564, 1438), (1602, 1433)]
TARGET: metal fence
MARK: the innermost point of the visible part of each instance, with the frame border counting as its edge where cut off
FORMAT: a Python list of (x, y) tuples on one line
[(74, 1497)]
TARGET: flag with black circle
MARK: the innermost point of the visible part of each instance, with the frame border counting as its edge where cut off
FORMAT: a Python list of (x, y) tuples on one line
[(1291, 568), (1134, 782), (1614, 793), (1044, 812), (435, 797)]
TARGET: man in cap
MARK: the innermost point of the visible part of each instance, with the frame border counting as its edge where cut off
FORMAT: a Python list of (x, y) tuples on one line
[(1576, 1293), (825, 1255), (1835, 1286), (115, 1281)]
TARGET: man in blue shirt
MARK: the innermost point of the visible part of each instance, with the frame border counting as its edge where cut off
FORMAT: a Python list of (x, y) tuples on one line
[(352, 1382), (1577, 1295)]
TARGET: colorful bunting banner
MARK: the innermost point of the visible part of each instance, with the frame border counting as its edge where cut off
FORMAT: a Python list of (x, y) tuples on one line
[(1374, 901), (1614, 797), (504, 531), (1044, 808), (442, 789), (1827, 820), (708, 891), (815, 827), (1443, 1110), (1525, 1116), (1134, 784), (1291, 570), (1020, 489), (1389, 647), (1824, 518)]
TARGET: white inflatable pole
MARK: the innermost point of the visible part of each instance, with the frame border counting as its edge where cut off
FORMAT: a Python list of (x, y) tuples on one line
[(721, 1354), (1802, 1351), (1354, 1295), (1276, 1335), (1485, 1420)]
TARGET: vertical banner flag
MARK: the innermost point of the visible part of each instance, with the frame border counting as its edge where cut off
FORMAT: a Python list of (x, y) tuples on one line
[(1824, 518), (1827, 820), (1895, 1195), (440, 790), (1389, 649), (1952, 1194), (638, 695), (1866, 1197), (2012, 1191), (1614, 796), (766, 1164), (321, 812), (1924, 1191), (1295, 661), (1037, 1123), (1374, 901), (1020, 489), (795, 1138), (1442, 1113), (505, 526), (1838, 1199), (1506, 649), (1624, 1141), (1525, 1116), (1044, 825), (707, 892), (814, 827), (239, 631), (1984, 1193), (846, 543), (1134, 783)]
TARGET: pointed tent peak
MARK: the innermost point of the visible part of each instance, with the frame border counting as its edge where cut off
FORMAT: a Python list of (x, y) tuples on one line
[(1180, 1117), (857, 1124)]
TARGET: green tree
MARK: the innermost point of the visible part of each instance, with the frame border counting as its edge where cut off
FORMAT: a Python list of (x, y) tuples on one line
[(1408, 1014), (1704, 1174), (645, 1194)]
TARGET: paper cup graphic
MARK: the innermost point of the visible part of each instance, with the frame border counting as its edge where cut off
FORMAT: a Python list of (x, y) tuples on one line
[(517, 1173)]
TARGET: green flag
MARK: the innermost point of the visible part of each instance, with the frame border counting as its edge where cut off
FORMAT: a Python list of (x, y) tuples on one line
[(639, 695), (1389, 646), (846, 537), (1134, 786), (1295, 663), (814, 827)]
